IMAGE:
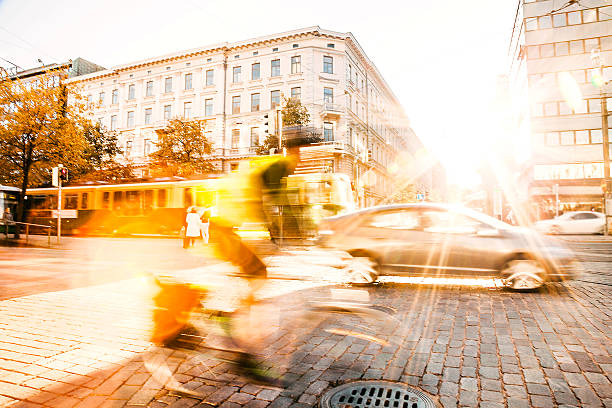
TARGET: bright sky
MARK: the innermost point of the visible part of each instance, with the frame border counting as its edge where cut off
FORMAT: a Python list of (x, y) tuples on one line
[(440, 58)]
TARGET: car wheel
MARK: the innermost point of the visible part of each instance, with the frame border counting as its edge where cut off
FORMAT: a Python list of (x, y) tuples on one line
[(523, 274), (361, 269), (555, 229)]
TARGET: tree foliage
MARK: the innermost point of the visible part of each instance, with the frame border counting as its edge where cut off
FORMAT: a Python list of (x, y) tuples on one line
[(41, 126), (294, 113), (182, 149), (295, 126)]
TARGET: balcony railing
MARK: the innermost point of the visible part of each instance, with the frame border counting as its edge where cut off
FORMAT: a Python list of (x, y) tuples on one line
[(233, 152)]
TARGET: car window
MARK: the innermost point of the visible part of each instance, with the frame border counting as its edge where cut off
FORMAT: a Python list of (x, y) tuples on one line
[(584, 216), (405, 220), (448, 222)]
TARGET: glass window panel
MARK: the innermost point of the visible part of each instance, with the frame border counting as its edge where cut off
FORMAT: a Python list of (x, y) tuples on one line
[(547, 50), (236, 74), (531, 24), (328, 65), (254, 137), (132, 91), (594, 105), (559, 20), (328, 131), (579, 75), (187, 110), (130, 119), (149, 88), (235, 104), (168, 85), (275, 68), (235, 138), (567, 138), (581, 106), (255, 99), (210, 77), (168, 112), (588, 16), (606, 43), (533, 52), (328, 95), (574, 17), (576, 47), (255, 71), (582, 137), (596, 136), (296, 64), (296, 93), (544, 22), (162, 198), (552, 138), (208, 107), (274, 99), (564, 108), (550, 109), (591, 44), (188, 81), (605, 13), (148, 115), (561, 48)]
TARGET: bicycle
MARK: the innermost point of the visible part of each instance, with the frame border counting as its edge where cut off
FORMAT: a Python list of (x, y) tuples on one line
[(211, 336)]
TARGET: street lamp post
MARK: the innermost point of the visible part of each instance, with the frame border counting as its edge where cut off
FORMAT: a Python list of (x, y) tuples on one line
[(600, 82)]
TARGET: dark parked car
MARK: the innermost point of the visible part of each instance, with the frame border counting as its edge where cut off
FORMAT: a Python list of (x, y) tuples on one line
[(445, 240)]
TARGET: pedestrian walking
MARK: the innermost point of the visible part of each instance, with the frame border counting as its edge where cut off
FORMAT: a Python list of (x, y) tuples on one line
[(205, 225), (192, 230)]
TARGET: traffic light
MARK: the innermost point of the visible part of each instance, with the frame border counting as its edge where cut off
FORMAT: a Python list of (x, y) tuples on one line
[(63, 173), (266, 127)]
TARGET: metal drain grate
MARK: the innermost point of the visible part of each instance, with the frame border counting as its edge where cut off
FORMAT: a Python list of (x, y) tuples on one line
[(375, 394)]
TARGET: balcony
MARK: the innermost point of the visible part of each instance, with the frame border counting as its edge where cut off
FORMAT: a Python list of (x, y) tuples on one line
[(332, 110), (236, 152)]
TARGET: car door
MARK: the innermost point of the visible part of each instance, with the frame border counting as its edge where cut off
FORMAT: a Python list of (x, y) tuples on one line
[(456, 245), (394, 237), (587, 223)]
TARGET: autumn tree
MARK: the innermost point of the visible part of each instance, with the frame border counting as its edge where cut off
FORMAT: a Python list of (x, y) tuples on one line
[(296, 118), (38, 130), (182, 149), (44, 122)]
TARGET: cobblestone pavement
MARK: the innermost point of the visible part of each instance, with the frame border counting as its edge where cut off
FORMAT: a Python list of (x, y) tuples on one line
[(466, 345)]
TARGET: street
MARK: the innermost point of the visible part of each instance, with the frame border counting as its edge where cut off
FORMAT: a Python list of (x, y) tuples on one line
[(74, 324)]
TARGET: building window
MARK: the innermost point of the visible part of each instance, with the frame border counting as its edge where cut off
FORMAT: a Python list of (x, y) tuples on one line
[(210, 77), (168, 85), (274, 99), (235, 104), (236, 77), (130, 119), (567, 138), (113, 123), (89, 99), (275, 68), (187, 110), (188, 81), (582, 137), (596, 136), (255, 71), (101, 98), (235, 138), (275, 49), (296, 64), (576, 47), (296, 93), (559, 20), (128, 148), (147, 146), (328, 95), (149, 88), (328, 131), (167, 112), (208, 107), (544, 22), (296, 45), (254, 137), (331, 45), (132, 92), (115, 97), (148, 115), (162, 198), (84, 200), (255, 99), (328, 65), (552, 139)]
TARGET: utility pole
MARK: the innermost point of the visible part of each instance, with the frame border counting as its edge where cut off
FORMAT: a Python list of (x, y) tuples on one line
[(599, 63), (59, 205)]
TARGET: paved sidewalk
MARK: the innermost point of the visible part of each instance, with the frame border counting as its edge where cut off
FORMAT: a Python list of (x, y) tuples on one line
[(467, 345)]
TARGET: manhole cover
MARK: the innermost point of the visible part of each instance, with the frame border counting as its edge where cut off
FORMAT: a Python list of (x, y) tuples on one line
[(375, 394)]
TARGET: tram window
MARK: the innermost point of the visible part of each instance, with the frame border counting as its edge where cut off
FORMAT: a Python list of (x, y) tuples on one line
[(148, 200), (52, 202), (205, 198), (39, 202), (188, 197), (84, 200), (71, 201), (106, 199), (117, 200), (162, 198), (132, 202)]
